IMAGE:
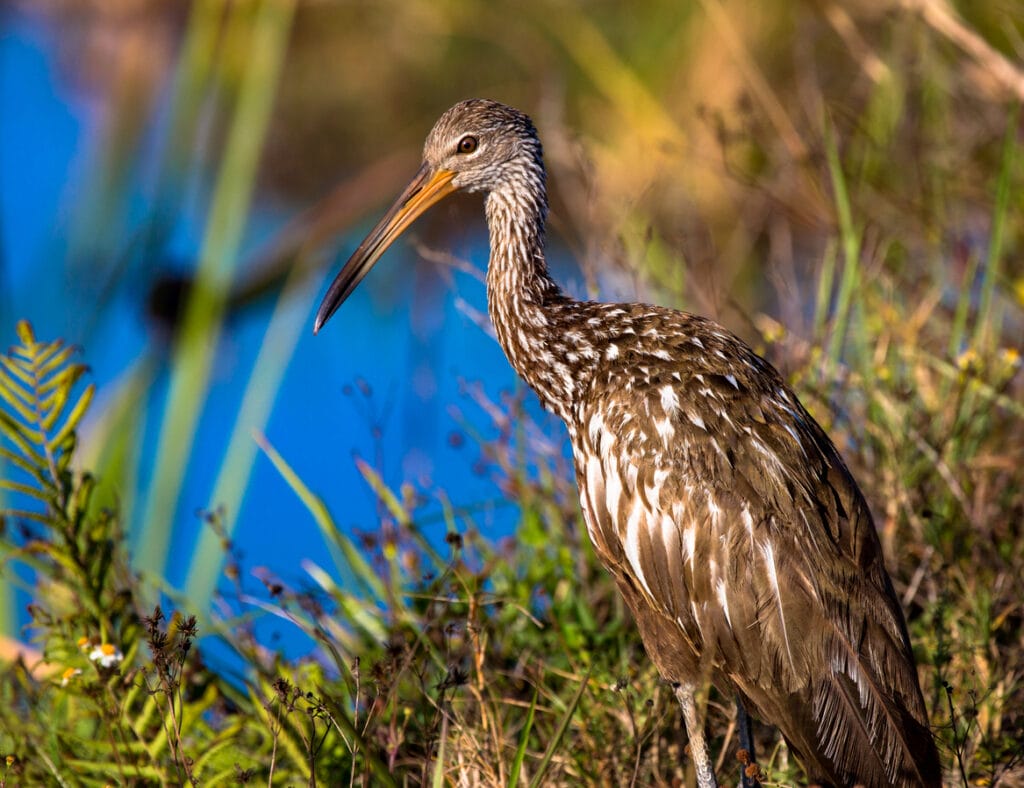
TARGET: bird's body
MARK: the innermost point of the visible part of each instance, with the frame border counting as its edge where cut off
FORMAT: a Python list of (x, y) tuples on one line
[(734, 531)]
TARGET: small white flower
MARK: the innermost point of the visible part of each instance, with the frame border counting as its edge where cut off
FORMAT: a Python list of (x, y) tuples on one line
[(67, 675), (107, 655)]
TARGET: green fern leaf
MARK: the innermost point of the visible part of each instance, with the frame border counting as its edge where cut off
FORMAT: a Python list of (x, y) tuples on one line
[(12, 430), (14, 395), (25, 333), (73, 418), (17, 368), (39, 415), (57, 356), (25, 489), (23, 464), (25, 514)]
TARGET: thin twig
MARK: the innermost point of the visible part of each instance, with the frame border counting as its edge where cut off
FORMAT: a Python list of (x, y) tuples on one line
[(938, 15), (957, 748)]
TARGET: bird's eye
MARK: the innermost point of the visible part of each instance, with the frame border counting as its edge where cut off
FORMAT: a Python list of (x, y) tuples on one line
[(467, 144)]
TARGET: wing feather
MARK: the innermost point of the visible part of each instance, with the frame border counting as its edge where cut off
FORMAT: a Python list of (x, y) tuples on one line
[(740, 540)]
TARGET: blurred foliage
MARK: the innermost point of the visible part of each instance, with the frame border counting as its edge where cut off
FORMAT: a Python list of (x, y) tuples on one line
[(839, 183)]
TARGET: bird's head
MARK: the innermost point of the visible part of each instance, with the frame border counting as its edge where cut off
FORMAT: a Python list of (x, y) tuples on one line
[(476, 146), (483, 144)]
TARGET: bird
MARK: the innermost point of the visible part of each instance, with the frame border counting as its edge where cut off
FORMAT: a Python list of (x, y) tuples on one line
[(734, 531)]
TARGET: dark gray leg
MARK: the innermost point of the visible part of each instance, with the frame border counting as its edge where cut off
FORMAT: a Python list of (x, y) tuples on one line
[(746, 731)]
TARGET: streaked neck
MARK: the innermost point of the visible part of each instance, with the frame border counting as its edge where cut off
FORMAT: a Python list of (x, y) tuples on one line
[(531, 315)]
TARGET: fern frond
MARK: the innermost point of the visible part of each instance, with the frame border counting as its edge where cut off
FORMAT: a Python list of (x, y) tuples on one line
[(39, 416)]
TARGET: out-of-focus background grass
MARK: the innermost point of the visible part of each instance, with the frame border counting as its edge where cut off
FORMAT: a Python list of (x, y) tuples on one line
[(838, 183)]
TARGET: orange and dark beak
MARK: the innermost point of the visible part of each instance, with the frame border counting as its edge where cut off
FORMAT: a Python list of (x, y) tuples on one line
[(427, 188)]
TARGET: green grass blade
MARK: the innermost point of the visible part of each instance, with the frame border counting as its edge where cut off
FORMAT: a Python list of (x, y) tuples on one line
[(958, 329), (556, 740), (194, 353), (339, 717), (343, 551), (988, 326), (823, 296), (279, 342), (357, 611), (383, 492), (524, 739), (437, 780), (850, 241)]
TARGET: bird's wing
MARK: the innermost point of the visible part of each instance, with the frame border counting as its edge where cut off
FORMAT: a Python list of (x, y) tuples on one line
[(724, 508)]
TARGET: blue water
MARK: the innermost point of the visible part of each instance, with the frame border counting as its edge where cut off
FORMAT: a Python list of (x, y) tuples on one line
[(401, 333)]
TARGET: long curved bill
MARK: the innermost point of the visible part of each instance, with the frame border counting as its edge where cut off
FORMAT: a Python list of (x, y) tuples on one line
[(424, 190)]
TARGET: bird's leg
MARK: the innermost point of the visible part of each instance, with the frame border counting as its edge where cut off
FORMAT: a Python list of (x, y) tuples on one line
[(695, 730), (746, 729)]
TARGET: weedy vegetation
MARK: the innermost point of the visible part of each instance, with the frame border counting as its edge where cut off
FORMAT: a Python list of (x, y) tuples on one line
[(884, 213)]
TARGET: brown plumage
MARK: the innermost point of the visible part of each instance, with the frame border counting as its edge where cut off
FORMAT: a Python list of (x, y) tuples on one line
[(734, 531)]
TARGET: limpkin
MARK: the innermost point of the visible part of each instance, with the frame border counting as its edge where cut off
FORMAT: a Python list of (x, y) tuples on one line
[(734, 531)]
